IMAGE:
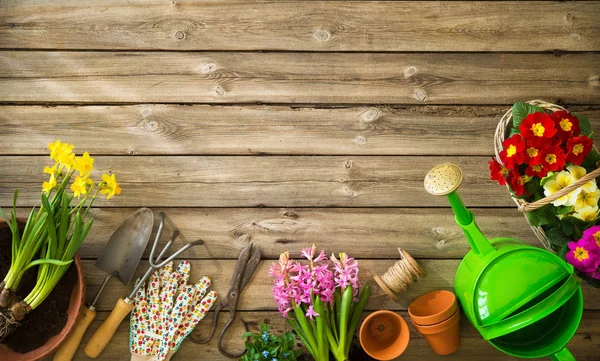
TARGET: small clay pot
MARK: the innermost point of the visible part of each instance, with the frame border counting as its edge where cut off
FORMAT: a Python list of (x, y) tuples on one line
[(384, 335), (433, 307), (443, 337), (76, 303)]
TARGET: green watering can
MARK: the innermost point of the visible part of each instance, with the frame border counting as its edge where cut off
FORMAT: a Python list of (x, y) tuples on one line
[(524, 300)]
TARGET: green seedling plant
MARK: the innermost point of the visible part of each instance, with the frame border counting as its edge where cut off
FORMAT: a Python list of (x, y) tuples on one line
[(265, 346), (52, 233)]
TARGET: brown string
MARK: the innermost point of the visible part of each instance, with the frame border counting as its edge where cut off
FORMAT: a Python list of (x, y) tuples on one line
[(402, 274)]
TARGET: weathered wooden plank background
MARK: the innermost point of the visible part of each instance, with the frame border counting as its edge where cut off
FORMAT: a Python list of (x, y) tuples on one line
[(290, 122)]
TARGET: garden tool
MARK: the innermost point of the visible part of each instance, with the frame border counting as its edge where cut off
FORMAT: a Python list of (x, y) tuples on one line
[(106, 331), (526, 301), (119, 258), (246, 265), (166, 310)]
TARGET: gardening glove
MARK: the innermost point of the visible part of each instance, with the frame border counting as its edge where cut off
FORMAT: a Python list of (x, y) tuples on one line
[(165, 311)]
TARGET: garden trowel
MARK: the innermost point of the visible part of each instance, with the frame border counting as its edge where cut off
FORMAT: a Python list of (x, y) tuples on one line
[(119, 259)]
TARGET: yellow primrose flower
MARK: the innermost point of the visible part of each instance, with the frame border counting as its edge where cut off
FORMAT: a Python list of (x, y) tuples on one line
[(50, 184), (585, 199), (58, 150), (80, 186), (109, 185), (578, 172), (557, 182), (84, 164), (587, 214)]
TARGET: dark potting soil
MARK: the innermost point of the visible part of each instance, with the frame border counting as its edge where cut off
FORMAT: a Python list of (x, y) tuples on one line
[(50, 317)]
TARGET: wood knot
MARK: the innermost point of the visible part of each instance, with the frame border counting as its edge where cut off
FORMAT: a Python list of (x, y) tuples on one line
[(369, 115), (569, 17), (322, 35), (420, 95), (360, 140), (290, 214), (207, 68), (349, 192), (242, 239), (575, 36), (220, 91), (11, 25), (146, 112), (151, 126), (348, 164), (409, 72), (594, 81), (180, 35)]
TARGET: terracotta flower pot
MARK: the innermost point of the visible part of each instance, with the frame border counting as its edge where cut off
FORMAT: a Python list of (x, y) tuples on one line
[(76, 302), (384, 335), (433, 307), (443, 337)]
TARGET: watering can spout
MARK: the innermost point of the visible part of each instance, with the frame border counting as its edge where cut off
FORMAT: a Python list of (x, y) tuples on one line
[(444, 179)]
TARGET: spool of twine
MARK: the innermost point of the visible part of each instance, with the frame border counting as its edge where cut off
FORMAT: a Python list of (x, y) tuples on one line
[(400, 276)]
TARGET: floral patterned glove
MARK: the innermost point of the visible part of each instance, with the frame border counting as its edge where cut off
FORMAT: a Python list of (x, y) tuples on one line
[(166, 310)]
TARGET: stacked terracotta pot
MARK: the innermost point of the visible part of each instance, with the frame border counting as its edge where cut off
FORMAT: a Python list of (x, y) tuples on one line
[(436, 316)]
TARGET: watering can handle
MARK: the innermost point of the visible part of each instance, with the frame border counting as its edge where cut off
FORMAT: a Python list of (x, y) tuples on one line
[(563, 355)]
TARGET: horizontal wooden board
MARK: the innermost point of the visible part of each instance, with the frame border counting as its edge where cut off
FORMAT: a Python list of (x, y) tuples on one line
[(258, 296), (300, 25), (366, 78), (368, 232), (277, 181), (201, 129), (583, 345)]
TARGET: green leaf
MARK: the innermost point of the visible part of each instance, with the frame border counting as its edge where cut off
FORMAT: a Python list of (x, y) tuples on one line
[(363, 298), (589, 163), (40, 261), (533, 186), (542, 216), (584, 124), (520, 110), (513, 131), (562, 210), (573, 227), (557, 237), (546, 178)]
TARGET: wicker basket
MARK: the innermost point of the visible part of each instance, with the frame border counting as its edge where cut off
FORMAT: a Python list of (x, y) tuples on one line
[(502, 130)]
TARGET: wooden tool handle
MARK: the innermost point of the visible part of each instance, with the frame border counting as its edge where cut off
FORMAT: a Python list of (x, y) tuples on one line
[(68, 348), (107, 329)]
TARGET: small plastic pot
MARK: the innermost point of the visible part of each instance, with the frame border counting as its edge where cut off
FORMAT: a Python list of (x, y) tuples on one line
[(384, 335), (433, 307), (443, 337)]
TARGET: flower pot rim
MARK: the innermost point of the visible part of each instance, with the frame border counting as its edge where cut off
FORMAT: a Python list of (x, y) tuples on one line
[(438, 327), (75, 306), (404, 332), (436, 317)]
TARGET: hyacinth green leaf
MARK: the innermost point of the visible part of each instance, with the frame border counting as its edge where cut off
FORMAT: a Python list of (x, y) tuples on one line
[(363, 298)]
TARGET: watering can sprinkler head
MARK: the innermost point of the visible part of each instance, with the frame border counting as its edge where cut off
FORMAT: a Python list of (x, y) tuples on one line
[(443, 179)]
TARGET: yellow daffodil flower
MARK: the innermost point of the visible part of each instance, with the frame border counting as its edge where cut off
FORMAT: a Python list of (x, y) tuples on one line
[(58, 150), (109, 185), (557, 182), (80, 186), (67, 160), (52, 170), (50, 184), (587, 214), (84, 164), (587, 199), (578, 172)]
